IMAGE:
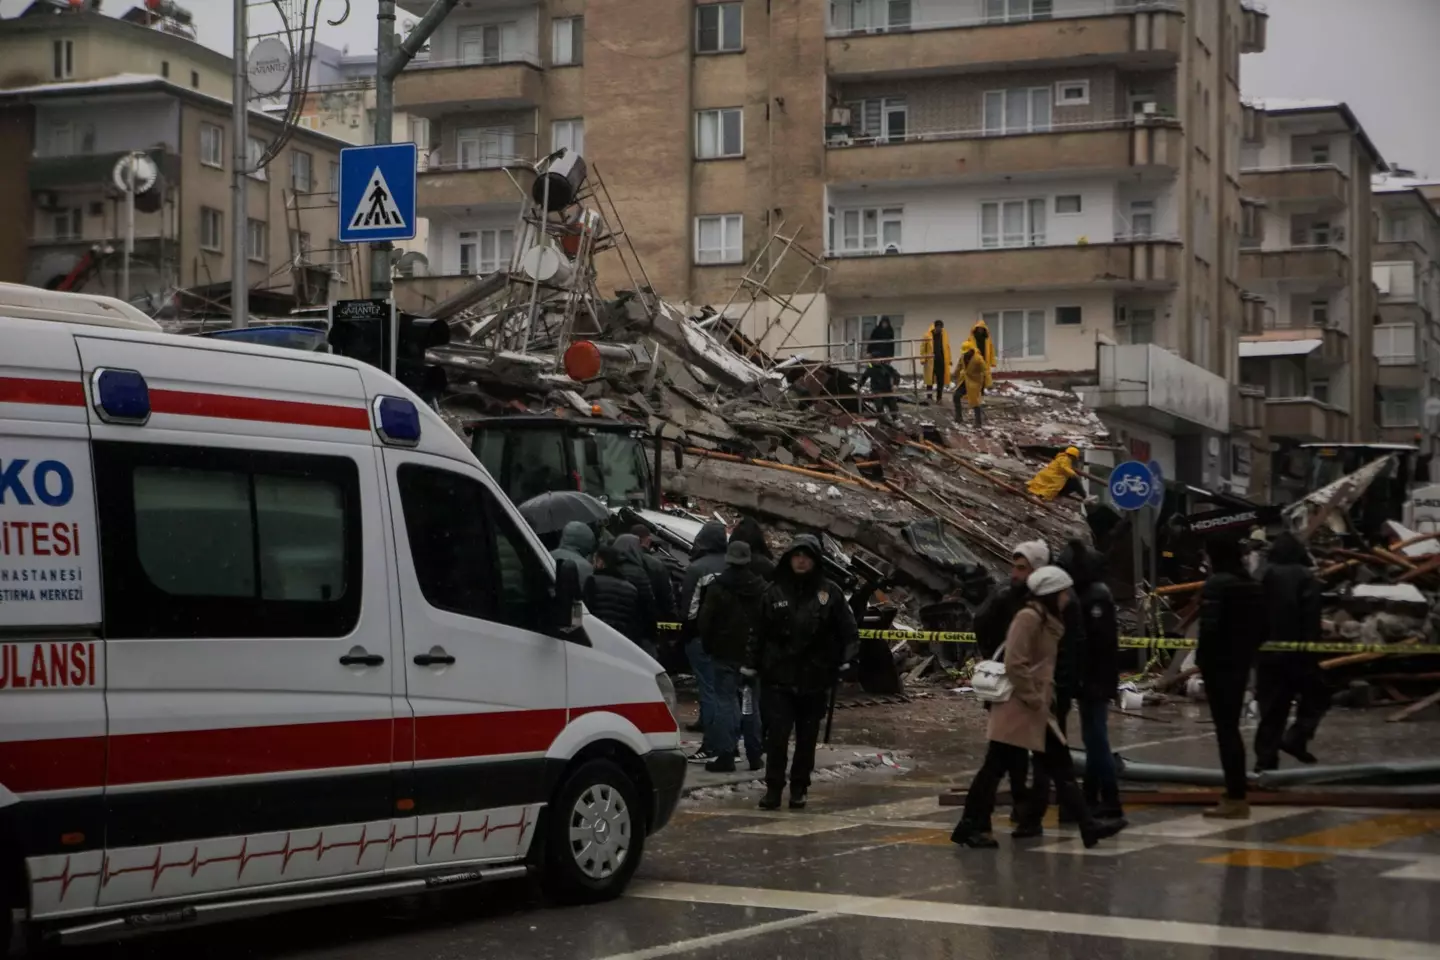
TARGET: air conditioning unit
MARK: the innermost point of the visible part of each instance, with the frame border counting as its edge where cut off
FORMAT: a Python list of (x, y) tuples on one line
[(1150, 108), (47, 200)]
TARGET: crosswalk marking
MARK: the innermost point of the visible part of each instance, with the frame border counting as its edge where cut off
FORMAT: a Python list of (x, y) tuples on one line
[(1273, 859), (798, 827), (1201, 826), (1375, 832)]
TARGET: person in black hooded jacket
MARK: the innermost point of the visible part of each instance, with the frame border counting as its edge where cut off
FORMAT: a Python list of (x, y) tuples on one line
[(1099, 675), (707, 559), (804, 631), (632, 568), (1292, 597), (749, 532), (612, 598), (1232, 627), (728, 615)]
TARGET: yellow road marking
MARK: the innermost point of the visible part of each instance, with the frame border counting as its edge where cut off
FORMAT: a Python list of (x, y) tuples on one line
[(1276, 859), (1366, 834)]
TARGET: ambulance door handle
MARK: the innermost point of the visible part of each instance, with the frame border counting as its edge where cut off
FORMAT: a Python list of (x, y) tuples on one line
[(437, 657), (357, 657)]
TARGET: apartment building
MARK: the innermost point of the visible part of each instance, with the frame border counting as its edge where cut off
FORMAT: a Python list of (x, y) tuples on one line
[(1066, 169), (1307, 234), (1406, 272), (60, 139)]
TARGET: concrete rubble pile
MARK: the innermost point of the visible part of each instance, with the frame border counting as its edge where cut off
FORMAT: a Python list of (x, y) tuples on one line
[(934, 506)]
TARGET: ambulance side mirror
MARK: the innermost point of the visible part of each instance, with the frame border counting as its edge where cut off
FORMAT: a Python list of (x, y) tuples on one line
[(569, 609)]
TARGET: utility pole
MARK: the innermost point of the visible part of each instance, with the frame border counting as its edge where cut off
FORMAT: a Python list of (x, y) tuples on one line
[(129, 228), (390, 59), (239, 225)]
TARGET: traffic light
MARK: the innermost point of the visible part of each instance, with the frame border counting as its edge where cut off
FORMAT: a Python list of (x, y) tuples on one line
[(417, 335)]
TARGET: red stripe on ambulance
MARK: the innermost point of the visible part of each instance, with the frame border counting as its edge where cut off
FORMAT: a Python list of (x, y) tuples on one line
[(55, 393)]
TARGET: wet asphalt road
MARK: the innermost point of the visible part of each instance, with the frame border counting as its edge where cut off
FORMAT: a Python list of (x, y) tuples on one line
[(868, 871)]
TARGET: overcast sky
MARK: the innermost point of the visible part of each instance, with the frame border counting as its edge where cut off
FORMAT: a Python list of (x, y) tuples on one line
[(1379, 56)]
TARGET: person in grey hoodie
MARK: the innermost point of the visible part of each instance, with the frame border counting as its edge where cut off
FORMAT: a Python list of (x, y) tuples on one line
[(707, 559), (577, 544)]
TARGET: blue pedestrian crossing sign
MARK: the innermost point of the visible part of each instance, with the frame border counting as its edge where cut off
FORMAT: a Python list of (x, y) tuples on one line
[(377, 193)]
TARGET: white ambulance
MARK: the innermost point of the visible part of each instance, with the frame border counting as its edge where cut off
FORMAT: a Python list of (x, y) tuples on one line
[(271, 637)]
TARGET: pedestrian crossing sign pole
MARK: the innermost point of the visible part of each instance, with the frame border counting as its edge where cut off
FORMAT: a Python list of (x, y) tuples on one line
[(377, 193)]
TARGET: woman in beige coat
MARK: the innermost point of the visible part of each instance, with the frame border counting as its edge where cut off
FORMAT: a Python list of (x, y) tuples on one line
[(1024, 721)]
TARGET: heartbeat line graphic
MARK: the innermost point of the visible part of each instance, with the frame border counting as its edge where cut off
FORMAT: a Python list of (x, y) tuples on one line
[(244, 856)]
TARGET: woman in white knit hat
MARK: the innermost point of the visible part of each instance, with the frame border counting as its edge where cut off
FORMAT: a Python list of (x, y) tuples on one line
[(1024, 722)]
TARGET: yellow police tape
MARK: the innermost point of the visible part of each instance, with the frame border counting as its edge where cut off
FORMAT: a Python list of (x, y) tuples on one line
[(1156, 643)]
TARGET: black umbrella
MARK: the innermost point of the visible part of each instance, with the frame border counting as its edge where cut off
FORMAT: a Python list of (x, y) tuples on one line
[(549, 512)]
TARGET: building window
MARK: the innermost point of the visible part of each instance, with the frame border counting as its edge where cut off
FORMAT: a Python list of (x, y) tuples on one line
[(718, 239), (883, 118), (1009, 11), (1069, 316), (334, 176), (1320, 153), (1319, 313), (1021, 333), (718, 28), (1142, 219), (69, 138), (875, 16), (301, 164), (212, 229), (1022, 110), (227, 543), (1067, 203), (68, 224), (300, 245), (254, 153), (485, 251), (871, 230), (567, 41), (1072, 93), (212, 145), (195, 79), (569, 134), (850, 336), (1399, 407), (491, 43), (257, 240), (719, 133), (1320, 390), (480, 148), (165, 69), (1012, 223), (1395, 344), (1320, 233), (1135, 325), (63, 59), (1399, 228)]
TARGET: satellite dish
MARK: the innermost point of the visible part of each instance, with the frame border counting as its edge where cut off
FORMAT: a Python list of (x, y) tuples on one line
[(137, 168), (268, 67)]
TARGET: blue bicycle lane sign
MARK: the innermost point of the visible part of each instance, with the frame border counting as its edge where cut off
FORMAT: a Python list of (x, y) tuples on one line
[(1131, 484)]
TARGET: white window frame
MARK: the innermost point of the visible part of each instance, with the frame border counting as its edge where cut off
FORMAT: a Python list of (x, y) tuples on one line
[(849, 335), (212, 145), (300, 184), (1079, 204), (1145, 209), (1319, 388), (567, 41), (988, 99), (68, 224), (482, 35), (714, 120), (62, 60), (861, 231), (1017, 11), (1412, 401), (996, 319), (1321, 234), (257, 240), (732, 239), (887, 111), (568, 133), (1385, 350), (1083, 100), (1029, 236), (335, 176), (254, 150), (1319, 313), (501, 241), (484, 148), (1132, 321), (1316, 149), (300, 248), (212, 230), (724, 11)]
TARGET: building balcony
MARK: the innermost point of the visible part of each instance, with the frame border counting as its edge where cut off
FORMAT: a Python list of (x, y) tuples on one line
[(1141, 34), (1083, 148), (1321, 347), (1252, 315), (1401, 372), (1152, 265), (1322, 187), (1149, 384), (431, 89), (1390, 251), (92, 171), (1323, 266), (1415, 313), (444, 182), (1247, 407), (1254, 27), (1305, 419)]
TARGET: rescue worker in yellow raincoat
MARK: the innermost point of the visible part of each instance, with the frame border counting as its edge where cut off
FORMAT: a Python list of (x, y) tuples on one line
[(1058, 477), (985, 344), (935, 358), (971, 377)]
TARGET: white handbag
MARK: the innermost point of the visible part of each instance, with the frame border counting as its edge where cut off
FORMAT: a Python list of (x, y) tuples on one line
[(990, 682)]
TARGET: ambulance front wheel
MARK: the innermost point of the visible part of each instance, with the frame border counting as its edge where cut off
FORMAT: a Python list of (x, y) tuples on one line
[(595, 834)]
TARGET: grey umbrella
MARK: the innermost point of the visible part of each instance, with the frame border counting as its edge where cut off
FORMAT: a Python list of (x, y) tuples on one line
[(549, 512)]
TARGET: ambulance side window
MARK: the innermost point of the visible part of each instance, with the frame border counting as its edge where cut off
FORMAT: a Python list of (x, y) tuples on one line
[(205, 542), (468, 557)]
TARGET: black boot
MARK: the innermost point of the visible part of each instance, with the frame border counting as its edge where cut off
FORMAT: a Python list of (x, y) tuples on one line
[(1092, 831), (1028, 829), (973, 835), (1296, 748), (797, 797), (771, 800)]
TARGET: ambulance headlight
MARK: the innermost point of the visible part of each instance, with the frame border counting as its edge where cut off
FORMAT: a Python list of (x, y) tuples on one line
[(667, 690)]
